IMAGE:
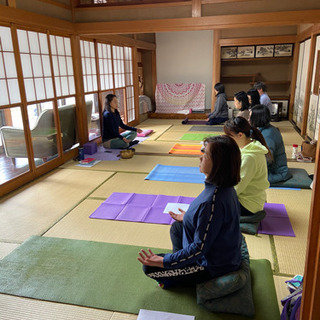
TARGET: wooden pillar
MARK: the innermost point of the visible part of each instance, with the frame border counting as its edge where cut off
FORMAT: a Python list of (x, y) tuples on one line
[(216, 65), (294, 78), (154, 73), (24, 105), (80, 101), (196, 8), (135, 84), (311, 284), (73, 13), (308, 86), (11, 3)]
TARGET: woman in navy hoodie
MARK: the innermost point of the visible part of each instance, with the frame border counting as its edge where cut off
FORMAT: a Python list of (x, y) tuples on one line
[(206, 239)]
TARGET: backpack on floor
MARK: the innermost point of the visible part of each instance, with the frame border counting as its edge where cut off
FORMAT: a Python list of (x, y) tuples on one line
[(292, 304)]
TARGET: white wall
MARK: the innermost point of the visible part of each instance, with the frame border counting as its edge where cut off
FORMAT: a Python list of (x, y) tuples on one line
[(184, 57)]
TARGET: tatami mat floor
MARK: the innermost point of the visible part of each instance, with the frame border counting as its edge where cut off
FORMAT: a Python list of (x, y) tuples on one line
[(60, 203)]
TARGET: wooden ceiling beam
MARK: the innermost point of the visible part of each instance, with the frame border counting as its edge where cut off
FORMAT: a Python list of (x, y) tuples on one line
[(201, 23), (121, 40), (30, 19)]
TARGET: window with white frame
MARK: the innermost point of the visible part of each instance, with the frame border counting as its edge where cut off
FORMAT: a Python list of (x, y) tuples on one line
[(89, 69), (129, 83), (62, 65), (118, 66), (9, 86), (36, 67), (105, 66)]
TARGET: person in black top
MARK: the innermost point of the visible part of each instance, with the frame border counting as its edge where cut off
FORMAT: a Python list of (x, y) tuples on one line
[(110, 127), (220, 113), (253, 97)]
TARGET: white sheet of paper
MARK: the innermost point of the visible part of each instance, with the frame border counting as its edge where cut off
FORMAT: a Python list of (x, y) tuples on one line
[(174, 207), (157, 315)]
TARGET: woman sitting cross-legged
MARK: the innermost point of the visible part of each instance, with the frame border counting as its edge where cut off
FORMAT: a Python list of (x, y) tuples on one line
[(277, 169), (111, 122), (220, 113), (206, 239), (251, 189)]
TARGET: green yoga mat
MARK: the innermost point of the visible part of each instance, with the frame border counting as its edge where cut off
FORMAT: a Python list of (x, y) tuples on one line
[(197, 136), (108, 276)]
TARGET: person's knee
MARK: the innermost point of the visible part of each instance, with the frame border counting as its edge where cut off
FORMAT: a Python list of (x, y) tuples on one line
[(176, 228)]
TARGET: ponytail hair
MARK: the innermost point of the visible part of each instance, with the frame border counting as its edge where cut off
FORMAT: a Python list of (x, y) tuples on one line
[(240, 124)]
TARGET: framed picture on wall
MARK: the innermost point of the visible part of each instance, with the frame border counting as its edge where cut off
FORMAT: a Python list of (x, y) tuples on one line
[(283, 50), (264, 51), (245, 52), (228, 52)]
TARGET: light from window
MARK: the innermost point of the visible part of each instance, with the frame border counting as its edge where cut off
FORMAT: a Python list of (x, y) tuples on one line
[(62, 65), (9, 86), (36, 68), (88, 66)]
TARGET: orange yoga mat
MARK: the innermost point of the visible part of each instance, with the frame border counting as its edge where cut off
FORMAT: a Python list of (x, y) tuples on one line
[(186, 149)]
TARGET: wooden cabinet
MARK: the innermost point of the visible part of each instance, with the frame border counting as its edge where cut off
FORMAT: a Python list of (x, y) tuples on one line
[(241, 74)]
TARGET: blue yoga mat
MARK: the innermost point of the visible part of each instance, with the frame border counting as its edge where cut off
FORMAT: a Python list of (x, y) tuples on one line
[(176, 174)]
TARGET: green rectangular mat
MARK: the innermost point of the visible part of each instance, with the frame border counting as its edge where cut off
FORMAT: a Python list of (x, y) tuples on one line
[(198, 136), (207, 128), (109, 276)]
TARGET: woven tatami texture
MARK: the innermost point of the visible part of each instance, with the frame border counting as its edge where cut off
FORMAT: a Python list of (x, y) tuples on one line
[(17, 308), (59, 205), (291, 251), (33, 208)]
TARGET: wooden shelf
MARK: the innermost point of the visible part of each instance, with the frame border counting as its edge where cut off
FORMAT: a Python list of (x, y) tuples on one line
[(273, 83), (239, 77), (270, 59), (253, 75), (273, 98)]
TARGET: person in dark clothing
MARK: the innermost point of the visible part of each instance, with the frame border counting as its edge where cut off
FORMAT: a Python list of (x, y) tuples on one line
[(220, 113), (206, 238), (110, 127), (277, 168), (253, 97)]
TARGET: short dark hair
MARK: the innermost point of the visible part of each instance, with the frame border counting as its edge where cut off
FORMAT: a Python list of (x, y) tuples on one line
[(242, 97), (260, 85), (226, 161), (255, 97), (219, 87), (260, 116), (109, 98)]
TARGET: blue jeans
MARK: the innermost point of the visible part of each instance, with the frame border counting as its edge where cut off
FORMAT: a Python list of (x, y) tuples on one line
[(117, 143)]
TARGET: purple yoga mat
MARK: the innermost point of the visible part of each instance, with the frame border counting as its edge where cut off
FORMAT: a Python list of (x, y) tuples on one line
[(106, 155), (276, 221), (137, 207)]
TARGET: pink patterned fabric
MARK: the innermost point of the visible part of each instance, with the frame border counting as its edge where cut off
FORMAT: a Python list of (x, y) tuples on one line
[(177, 97)]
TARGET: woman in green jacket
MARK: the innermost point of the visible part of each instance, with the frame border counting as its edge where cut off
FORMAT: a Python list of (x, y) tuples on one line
[(251, 189)]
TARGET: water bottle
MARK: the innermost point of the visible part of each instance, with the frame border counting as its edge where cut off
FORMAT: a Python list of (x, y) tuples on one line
[(294, 151), (81, 153)]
